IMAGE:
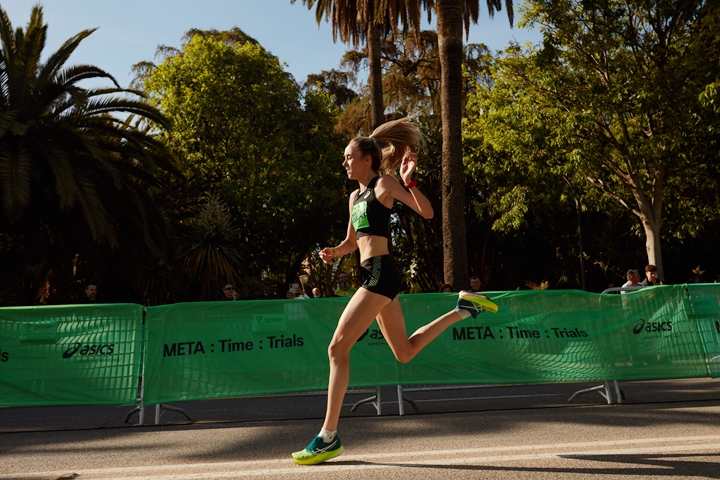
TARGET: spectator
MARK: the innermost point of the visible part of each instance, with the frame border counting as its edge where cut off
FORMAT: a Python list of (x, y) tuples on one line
[(651, 277), (475, 283), (90, 293), (633, 279), (447, 288), (295, 293), (229, 293), (316, 292), (344, 289)]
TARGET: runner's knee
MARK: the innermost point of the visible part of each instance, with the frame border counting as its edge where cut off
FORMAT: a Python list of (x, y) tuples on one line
[(338, 352)]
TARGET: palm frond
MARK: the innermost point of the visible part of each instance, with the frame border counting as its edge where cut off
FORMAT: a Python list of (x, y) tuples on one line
[(15, 177), (53, 65), (6, 120), (96, 106), (72, 75), (63, 173), (94, 210)]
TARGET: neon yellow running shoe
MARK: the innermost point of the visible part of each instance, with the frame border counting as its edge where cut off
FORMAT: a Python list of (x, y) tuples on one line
[(318, 451), (475, 303)]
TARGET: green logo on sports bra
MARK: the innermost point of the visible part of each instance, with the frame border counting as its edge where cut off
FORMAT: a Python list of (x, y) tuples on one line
[(359, 216)]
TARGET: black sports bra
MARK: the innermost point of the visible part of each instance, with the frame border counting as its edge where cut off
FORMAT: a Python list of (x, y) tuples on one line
[(369, 215)]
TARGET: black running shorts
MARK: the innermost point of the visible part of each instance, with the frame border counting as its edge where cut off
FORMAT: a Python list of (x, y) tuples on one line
[(379, 276)]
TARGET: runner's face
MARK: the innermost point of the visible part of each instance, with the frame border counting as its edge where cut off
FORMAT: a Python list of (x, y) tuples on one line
[(354, 163)]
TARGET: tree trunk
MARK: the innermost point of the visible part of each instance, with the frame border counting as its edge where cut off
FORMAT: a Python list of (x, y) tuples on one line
[(652, 245), (650, 214), (578, 207), (375, 79), (450, 29)]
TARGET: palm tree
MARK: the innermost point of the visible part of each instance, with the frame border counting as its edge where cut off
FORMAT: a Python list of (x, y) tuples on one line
[(355, 22), (453, 16), (73, 174), (210, 254)]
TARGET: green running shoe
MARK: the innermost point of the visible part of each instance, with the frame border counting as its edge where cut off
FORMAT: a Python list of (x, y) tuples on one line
[(475, 303), (318, 451)]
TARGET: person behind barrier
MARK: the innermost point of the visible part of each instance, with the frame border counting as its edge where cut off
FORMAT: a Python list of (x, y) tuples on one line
[(633, 279), (447, 288), (475, 284), (295, 292), (370, 209), (344, 288), (316, 292), (651, 277), (90, 295), (229, 293)]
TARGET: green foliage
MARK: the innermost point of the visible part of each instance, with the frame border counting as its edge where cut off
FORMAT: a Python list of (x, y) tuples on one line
[(210, 255), (609, 101), (242, 129)]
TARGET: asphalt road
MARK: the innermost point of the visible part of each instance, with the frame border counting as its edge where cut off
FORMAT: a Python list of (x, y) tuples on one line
[(663, 429)]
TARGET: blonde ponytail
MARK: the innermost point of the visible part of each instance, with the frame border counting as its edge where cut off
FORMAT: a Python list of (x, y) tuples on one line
[(400, 136)]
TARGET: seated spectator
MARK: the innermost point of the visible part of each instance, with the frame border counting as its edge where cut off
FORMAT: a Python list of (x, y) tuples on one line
[(475, 283), (90, 294), (316, 292), (633, 279), (344, 289), (295, 293), (447, 288), (651, 277), (229, 293)]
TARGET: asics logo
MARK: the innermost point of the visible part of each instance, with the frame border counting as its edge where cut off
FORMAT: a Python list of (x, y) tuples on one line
[(317, 450)]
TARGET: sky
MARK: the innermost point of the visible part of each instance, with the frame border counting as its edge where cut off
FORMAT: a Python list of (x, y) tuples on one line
[(129, 31)]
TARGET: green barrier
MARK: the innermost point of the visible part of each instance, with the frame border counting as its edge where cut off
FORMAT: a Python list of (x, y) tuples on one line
[(225, 349), (705, 302), (564, 336), (90, 354), (70, 355)]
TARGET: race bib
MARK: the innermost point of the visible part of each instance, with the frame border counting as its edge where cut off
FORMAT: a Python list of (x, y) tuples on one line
[(359, 216)]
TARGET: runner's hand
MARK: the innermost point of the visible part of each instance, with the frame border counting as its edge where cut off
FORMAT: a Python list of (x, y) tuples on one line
[(407, 167)]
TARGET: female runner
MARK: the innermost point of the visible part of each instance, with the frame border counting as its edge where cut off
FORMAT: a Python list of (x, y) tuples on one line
[(370, 208)]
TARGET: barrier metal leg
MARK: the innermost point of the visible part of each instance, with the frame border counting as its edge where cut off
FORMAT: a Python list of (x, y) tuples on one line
[(376, 400), (401, 404), (131, 413), (139, 408), (618, 392), (606, 394), (402, 399), (161, 406)]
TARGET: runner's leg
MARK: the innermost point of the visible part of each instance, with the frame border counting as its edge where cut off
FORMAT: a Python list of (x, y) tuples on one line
[(359, 313), (392, 325)]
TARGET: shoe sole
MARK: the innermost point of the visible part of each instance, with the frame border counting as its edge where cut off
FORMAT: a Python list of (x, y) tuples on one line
[(319, 458), (483, 301)]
